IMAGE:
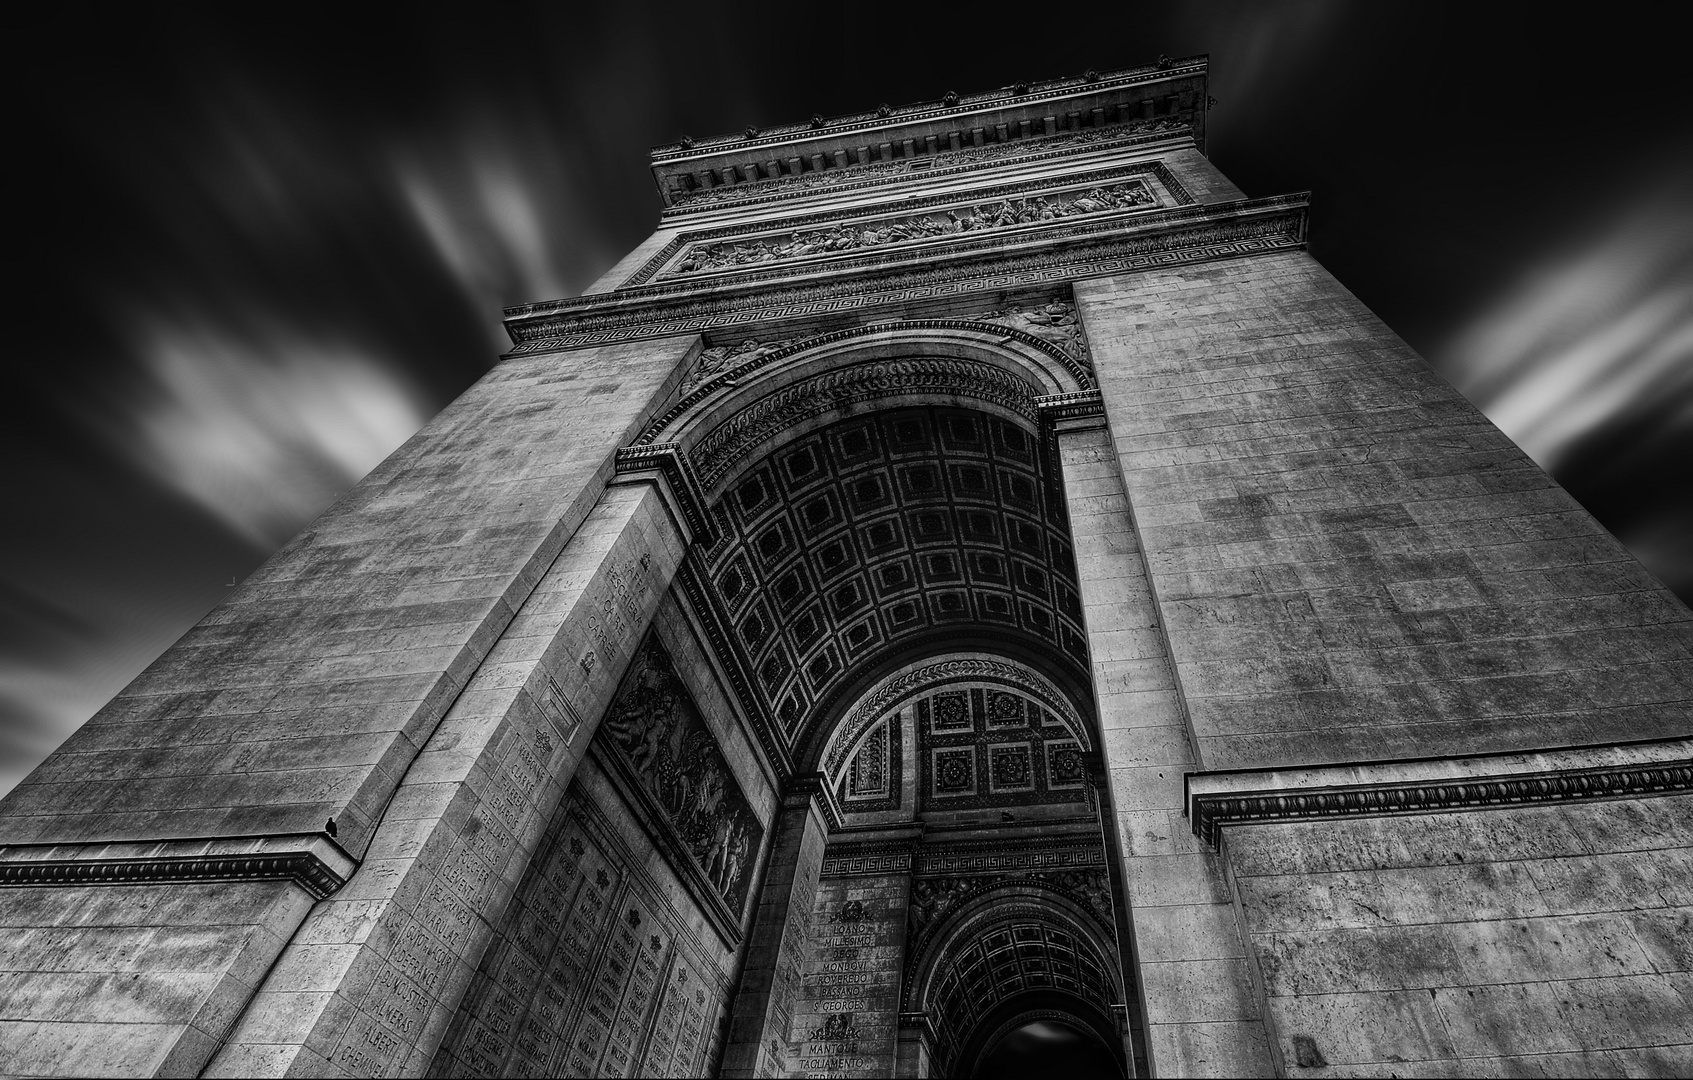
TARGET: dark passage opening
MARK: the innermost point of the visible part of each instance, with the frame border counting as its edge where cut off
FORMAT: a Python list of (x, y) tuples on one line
[(1048, 1048)]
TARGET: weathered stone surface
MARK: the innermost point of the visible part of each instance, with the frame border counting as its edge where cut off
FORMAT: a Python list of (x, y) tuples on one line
[(1350, 561), (1492, 942)]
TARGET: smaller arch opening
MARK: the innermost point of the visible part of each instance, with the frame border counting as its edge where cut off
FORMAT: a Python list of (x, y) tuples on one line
[(1051, 1047)]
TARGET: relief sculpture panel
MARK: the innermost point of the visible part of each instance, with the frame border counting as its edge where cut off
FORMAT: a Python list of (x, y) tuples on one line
[(656, 730), (1000, 213)]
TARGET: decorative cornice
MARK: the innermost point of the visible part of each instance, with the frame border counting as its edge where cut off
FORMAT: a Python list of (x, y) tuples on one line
[(1137, 242), (1072, 406), (668, 460), (1162, 129), (312, 861), (954, 106), (1218, 800)]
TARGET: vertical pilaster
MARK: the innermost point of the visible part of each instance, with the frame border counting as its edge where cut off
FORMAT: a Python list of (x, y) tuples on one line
[(915, 1050), (1128, 1013), (1202, 1016), (763, 1011)]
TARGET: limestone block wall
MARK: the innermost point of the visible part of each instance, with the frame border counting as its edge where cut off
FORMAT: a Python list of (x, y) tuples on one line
[(1201, 178), (1531, 941), (1201, 1015), (1348, 560), (133, 980)]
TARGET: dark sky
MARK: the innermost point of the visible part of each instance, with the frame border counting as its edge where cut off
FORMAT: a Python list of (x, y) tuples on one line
[(249, 258)]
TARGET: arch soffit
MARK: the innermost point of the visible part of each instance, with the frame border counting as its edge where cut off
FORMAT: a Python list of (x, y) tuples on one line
[(1003, 902), (1000, 369), (835, 744)]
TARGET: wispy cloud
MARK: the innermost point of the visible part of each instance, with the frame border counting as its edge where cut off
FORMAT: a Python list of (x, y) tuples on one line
[(266, 432), (1599, 331)]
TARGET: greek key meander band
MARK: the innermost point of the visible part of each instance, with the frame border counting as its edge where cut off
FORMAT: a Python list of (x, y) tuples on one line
[(865, 863), (1212, 812)]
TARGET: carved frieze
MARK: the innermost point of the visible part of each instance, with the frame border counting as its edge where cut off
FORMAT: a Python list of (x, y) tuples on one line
[(909, 228)]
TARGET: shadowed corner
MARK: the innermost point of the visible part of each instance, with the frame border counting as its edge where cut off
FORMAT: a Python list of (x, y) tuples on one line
[(1587, 364)]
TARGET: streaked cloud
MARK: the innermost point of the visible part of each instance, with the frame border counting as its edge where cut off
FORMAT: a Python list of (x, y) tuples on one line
[(1601, 330), (264, 431)]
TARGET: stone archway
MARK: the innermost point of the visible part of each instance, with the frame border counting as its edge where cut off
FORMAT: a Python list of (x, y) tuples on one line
[(1010, 953)]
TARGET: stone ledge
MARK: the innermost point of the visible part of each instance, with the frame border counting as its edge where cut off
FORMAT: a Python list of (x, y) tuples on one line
[(1530, 777), (313, 861)]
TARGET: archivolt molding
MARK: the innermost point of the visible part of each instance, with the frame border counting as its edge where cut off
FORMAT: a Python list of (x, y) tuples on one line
[(901, 686), (1044, 337), (1002, 903), (718, 452), (1066, 359)]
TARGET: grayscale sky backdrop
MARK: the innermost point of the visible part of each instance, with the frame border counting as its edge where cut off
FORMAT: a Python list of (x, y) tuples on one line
[(249, 258)]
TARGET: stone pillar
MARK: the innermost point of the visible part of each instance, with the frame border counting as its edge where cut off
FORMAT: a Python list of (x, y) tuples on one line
[(916, 1047), (375, 974), (1202, 1016), (190, 824), (846, 1020), (763, 1011), (1128, 1014)]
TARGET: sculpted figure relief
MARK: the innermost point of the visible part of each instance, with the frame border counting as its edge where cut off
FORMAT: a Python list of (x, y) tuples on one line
[(721, 358), (852, 236), (1055, 321), (658, 730)]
